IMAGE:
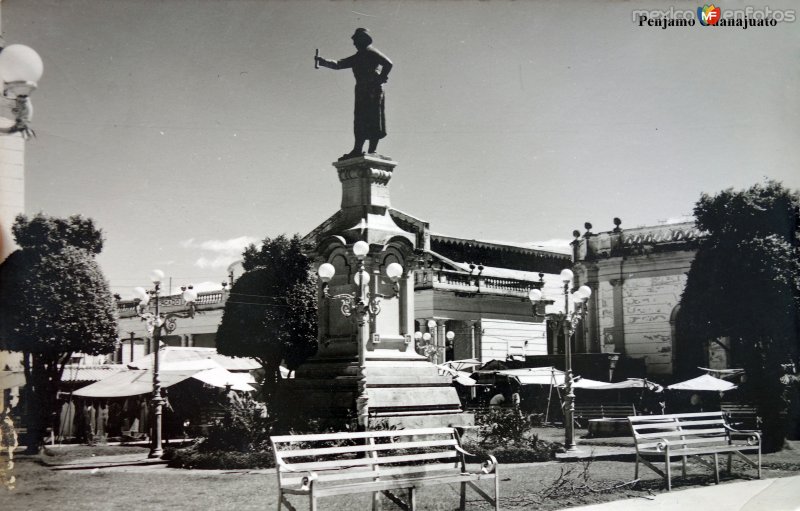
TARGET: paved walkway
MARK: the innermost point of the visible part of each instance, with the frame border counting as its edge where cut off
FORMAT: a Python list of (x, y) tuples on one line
[(782, 494)]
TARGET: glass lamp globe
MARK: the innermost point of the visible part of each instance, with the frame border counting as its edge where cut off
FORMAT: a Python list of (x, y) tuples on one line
[(585, 291), (362, 278), (20, 65), (361, 249), (566, 275), (190, 295), (426, 337), (141, 294), (417, 335), (431, 324), (535, 295), (394, 271), (450, 336), (156, 276), (326, 272)]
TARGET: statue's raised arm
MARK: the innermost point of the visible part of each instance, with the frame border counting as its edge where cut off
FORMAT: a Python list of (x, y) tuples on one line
[(371, 69)]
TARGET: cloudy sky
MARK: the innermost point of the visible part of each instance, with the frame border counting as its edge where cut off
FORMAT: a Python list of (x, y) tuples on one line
[(190, 128)]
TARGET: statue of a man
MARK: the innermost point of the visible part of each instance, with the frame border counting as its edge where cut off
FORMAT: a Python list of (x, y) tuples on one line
[(371, 70)]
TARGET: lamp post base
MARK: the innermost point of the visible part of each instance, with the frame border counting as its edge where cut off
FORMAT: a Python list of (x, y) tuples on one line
[(156, 453)]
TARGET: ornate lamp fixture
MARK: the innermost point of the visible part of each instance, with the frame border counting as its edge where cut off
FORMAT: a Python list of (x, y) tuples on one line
[(566, 322), (155, 322), (361, 305)]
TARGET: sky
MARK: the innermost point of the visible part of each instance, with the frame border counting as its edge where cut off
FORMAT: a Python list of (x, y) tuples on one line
[(189, 128)]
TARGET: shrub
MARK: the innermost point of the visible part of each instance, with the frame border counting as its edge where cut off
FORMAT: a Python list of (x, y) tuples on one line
[(244, 427), (502, 425)]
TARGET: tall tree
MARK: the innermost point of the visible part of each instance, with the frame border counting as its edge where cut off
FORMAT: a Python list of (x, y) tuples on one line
[(271, 314), (54, 302), (744, 285)]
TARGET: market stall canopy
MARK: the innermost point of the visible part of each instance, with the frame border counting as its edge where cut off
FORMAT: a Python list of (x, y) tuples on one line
[(460, 365), (174, 354), (133, 382), (535, 375), (630, 383), (461, 377), (704, 382)]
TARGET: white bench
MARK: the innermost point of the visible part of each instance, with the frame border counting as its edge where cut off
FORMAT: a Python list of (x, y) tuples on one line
[(376, 462), (690, 435)]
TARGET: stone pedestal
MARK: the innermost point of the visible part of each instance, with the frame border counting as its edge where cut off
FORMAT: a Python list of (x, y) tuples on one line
[(402, 387)]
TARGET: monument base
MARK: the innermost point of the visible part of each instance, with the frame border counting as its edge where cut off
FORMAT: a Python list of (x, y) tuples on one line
[(402, 392)]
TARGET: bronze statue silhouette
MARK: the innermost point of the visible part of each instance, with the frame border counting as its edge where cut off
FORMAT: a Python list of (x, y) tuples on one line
[(371, 70)]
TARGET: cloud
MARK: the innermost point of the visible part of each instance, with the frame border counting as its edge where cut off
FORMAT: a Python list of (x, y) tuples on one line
[(207, 286), (235, 245), (220, 261), (220, 253)]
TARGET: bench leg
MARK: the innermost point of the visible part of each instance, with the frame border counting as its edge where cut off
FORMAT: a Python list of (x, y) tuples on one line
[(280, 500), (412, 499), (730, 463), (376, 501), (716, 468), (683, 467), (636, 470), (759, 462), (497, 489), (312, 504), (668, 471), (463, 503)]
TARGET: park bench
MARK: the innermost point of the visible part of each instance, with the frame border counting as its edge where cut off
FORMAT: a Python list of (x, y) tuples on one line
[(586, 411), (741, 415), (376, 462), (690, 435)]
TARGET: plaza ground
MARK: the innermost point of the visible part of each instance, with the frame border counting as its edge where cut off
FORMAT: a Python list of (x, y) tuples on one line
[(115, 477)]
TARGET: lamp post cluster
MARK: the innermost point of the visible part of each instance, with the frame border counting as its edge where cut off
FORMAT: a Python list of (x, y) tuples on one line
[(432, 349), (155, 322), (575, 308), (361, 305)]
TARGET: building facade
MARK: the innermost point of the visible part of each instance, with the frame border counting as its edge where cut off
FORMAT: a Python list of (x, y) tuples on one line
[(637, 277)]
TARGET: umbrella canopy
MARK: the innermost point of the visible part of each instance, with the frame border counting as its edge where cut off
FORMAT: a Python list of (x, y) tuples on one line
[(535, 375), (704, 382)]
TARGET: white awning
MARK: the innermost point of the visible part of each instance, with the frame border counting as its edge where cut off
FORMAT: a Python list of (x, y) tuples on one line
[(11, 379), (704, 382), (535, 375), (134, 382)]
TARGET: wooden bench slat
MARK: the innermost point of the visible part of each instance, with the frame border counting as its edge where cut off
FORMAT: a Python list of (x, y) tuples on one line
[(292, 479), (684, 432), (314, 465), (393, 484), (361, 434), (367, 448), (638, 418), (687, 425)]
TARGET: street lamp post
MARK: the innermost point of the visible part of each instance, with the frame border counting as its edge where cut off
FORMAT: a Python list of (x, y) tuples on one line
[(361, 306), (566, 322), (158, 322)]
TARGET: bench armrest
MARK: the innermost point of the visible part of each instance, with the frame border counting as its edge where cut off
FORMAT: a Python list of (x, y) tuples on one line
[(753, 436), (487, 467)]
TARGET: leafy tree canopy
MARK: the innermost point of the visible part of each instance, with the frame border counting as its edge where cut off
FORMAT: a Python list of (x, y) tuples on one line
[(745, 280), (44, 232), (271, 314), (54, 301)]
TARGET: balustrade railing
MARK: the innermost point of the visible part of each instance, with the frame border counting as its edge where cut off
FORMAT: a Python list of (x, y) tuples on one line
[(127, 308), (457, 281)]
